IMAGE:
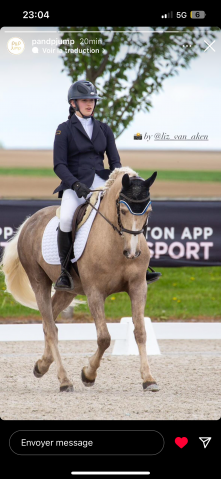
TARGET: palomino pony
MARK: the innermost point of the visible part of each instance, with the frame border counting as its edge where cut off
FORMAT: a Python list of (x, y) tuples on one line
[(110, 263)]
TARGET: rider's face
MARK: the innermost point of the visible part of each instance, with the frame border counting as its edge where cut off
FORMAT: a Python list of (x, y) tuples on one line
[(86, 106)]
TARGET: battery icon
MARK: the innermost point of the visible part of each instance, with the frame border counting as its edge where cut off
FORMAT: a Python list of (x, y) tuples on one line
[(199, 14)]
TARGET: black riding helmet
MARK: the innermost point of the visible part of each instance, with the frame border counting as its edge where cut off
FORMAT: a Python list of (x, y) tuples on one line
[(81, 90)]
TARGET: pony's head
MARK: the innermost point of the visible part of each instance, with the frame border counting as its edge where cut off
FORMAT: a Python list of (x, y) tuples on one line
[(132, 198), (134, 207)]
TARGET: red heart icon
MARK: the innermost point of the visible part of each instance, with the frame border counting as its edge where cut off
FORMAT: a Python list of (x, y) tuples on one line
[(181, 441)]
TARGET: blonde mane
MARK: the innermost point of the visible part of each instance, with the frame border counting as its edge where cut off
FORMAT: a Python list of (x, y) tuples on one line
[(115, 173)]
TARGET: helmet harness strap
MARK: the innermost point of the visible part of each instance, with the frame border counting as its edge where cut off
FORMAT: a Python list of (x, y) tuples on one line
[(84, 116)]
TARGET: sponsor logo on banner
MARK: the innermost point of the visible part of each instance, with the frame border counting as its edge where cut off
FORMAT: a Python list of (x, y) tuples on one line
[(193, 244)]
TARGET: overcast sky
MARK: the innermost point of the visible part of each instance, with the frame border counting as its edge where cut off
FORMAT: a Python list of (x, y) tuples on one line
[(33, 99)]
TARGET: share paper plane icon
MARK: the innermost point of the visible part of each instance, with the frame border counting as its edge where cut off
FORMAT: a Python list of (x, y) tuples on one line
[(205, 441)]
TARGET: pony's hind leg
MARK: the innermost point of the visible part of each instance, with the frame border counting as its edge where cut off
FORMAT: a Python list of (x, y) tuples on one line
[(41, 285), (138, 295), (60, 301), (96, 305)]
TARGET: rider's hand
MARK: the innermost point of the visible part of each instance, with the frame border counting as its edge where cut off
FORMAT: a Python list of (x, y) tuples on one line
[(81, 189)]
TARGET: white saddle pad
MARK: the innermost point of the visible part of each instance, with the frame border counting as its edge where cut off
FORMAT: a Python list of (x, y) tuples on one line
[(49, 240)]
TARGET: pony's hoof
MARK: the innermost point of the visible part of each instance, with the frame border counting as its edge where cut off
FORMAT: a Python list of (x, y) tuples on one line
[(150, 386), (87, 382), (67, 389), (36, 371)]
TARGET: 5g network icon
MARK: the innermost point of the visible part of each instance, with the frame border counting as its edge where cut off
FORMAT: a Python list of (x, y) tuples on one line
[(16, 46)]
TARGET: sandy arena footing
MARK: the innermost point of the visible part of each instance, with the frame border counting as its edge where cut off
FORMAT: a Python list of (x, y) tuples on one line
[(187, 372)]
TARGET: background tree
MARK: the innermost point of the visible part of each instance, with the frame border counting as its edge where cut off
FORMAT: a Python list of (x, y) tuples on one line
[(130, 66)]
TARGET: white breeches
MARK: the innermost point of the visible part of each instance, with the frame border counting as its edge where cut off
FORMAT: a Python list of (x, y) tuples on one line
[(70, 202)]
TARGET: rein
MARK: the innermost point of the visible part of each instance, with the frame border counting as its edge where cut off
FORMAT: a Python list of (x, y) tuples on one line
[(120, 231)]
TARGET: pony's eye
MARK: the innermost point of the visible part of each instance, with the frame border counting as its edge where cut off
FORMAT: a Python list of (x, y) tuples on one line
[(123, 212)]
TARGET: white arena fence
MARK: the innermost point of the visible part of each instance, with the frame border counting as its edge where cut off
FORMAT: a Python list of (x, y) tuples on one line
[(121, 333)]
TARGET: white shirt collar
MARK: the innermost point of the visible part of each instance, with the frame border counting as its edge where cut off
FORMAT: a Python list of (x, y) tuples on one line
[(88, 121)]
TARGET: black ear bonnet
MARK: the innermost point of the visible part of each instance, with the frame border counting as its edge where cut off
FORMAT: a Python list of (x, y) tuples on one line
[(135, 189)]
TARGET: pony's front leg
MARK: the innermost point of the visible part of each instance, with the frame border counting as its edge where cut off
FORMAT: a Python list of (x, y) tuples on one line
[(138, 294), (96, 305)]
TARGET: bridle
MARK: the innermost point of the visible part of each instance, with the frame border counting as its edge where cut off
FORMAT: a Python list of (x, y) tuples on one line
[(118, 201)]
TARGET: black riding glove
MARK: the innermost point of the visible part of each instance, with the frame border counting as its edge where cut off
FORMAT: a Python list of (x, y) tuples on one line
[(81, 189)]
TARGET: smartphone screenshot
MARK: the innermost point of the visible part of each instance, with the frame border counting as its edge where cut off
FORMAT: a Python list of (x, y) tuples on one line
[(110, 206)]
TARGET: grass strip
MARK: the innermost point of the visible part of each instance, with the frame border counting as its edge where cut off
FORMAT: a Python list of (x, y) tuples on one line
[(181, 293), (166, 175), (198, 176), (35, 172)]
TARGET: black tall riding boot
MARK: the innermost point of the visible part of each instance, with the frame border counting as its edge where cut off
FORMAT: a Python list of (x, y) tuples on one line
[(65, 247), (151, 277)]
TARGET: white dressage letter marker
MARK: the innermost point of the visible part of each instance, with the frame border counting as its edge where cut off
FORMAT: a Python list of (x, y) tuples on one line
[(128, 346)]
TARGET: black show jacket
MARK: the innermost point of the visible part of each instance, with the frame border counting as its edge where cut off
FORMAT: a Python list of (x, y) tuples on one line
[(77, 158)]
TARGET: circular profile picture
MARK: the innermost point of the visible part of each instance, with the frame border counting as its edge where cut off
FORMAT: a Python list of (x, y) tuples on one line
[(16, 45)]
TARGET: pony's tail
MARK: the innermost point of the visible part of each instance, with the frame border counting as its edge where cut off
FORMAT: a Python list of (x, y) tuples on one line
[(16, 279)]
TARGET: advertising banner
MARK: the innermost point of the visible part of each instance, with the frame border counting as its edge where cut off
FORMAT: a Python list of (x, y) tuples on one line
[(179, 233), (185, 233)]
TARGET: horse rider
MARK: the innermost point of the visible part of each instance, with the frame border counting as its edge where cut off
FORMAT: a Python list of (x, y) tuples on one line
[(79, 147)]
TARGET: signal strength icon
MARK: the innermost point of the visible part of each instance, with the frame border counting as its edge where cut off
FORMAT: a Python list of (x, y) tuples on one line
[(205, 441), (167, 15)]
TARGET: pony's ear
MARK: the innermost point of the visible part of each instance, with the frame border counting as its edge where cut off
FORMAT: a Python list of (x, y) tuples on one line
[(126, 181), (150, 180)]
